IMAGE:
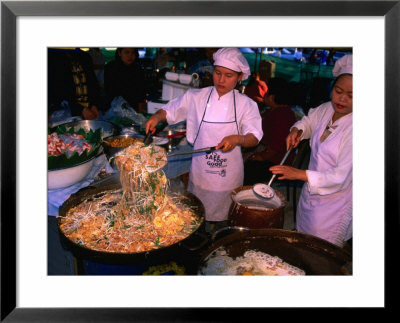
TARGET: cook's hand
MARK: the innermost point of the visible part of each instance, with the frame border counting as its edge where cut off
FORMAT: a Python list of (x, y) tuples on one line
[(229, 142), (159, 116), (90, 113), (288, 172), (293, 139), (151, 124)]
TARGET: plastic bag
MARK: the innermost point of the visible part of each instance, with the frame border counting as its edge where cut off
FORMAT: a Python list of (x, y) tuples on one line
[(120, 108), (62, 115)]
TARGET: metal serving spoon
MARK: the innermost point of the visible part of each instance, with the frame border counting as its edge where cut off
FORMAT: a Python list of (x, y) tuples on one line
[(266, 191)]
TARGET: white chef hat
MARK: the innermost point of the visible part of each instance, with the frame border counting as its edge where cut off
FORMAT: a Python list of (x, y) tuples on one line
[(343, 65), (233, 59)]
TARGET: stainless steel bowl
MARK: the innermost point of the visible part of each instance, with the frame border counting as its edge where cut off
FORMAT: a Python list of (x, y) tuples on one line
[(108, 128)]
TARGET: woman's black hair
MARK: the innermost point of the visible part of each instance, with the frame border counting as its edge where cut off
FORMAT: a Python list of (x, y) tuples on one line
[(279, 87), (338, 77), (119, 49)]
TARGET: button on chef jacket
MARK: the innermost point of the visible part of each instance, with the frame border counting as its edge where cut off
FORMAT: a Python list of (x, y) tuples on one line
[(210, 118)]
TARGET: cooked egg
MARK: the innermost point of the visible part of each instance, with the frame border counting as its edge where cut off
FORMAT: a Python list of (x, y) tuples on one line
[(251, 263)]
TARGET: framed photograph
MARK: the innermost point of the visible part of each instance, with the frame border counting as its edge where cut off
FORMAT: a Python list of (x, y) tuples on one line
[(28, 28)]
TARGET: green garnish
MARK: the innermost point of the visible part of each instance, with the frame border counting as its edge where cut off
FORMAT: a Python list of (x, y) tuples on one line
[(157, 242)]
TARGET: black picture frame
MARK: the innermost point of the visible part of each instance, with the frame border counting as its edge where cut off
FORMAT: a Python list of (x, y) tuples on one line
[(10, 10)]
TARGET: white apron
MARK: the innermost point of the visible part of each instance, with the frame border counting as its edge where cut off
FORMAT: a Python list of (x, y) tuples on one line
[(326, 216), (214, 176)]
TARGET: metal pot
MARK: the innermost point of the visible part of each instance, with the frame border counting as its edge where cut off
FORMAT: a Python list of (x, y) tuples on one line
[(311, 254), (110, 151), (161, 254), (248, 210)]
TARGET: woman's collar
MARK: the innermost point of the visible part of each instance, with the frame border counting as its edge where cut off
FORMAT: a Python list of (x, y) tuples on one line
[(226, 95)]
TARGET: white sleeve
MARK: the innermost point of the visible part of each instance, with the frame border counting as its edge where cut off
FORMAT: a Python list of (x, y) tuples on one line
[(309, 122), (177, 108), (251, 121), (336, 178)]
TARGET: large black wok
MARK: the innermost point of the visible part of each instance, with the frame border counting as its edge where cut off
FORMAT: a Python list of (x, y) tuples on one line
[(193, 242), (311, 254)]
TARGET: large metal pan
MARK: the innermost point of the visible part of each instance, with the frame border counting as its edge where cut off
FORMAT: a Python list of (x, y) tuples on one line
[(311, 254), (161, 254), (108, 128)]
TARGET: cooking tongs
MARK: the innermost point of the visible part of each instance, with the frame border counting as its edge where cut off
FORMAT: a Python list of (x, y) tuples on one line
[(202, 150), (148, 139)]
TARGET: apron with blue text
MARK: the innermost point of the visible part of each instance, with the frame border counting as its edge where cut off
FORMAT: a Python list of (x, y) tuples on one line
[(213, 176)]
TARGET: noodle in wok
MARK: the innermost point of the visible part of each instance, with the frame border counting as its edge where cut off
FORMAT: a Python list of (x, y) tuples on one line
[(139, 217)]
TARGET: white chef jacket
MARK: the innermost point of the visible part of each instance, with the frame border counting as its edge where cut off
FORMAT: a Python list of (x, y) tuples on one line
[(209, 118), (192, 104), (325, 204)]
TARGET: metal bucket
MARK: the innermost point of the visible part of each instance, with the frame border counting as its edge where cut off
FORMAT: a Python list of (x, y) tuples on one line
[(252, 212)]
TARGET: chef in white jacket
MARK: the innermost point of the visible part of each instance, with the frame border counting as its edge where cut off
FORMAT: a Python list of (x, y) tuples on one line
[(326, 201), (216, 116)]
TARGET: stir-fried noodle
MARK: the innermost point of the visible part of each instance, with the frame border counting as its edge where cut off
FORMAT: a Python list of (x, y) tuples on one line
[(139, 217)]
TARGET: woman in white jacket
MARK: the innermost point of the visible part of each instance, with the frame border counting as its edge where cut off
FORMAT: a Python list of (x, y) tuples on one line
[(217, 116), (325, 204)]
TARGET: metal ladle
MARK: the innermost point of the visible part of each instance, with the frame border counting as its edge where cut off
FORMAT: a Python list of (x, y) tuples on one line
[(266, 191)]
